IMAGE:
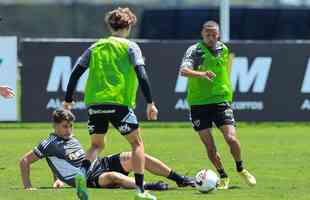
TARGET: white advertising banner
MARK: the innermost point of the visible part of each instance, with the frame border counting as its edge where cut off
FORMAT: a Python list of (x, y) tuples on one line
[(8, 76)]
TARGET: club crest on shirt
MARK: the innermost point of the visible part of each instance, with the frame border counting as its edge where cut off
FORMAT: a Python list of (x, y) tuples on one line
[(196, 123), (124, 128)]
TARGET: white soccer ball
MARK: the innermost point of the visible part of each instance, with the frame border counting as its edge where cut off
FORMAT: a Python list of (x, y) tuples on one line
[(206, 180)]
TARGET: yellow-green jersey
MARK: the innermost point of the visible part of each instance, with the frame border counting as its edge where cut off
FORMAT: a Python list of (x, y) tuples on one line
[(112, 78), (202, 91)]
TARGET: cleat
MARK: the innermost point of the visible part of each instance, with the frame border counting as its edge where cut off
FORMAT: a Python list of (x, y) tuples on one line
[(223, 184), (81, 187), (247, 177), (144, 195), (186, 181), (160, 185)]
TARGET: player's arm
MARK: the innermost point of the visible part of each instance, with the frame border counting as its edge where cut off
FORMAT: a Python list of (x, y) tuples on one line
[(79, 68), (191, 60), (136, 58), (144, 83), (24, 165)]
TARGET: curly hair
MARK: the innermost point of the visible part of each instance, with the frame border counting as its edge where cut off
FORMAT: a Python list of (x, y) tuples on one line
[(120, 18)]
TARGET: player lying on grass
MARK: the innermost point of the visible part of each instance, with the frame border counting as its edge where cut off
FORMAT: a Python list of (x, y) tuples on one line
[(64, 155)]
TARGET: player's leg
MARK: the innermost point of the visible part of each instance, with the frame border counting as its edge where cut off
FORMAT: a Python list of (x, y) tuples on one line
[(98, 176), (229, 133), (127, 124), (138, 163), (156, 167), (98, 126), (98, 123), (116, 179), (138, 158), (97, 144), (225, 121), (208, 141), (202, 118)]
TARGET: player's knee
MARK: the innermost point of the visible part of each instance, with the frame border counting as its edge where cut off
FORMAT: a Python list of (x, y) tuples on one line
[(137, 143), (97, 145), (231, 139)]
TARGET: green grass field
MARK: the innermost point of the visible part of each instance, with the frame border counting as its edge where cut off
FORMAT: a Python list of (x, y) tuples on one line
[(278, 154)]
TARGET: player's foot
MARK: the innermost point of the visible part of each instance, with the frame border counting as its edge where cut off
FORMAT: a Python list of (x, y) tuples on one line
[(186, 181), (223, 184), (160, 185), (144, 195), (247, 177), (81, 186)]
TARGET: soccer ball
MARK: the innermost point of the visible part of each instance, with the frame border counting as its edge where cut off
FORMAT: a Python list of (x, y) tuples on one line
[(206, 180)]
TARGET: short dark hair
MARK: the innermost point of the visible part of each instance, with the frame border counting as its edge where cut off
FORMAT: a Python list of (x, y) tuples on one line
[(120, 18), (211, 25), (61, 115)]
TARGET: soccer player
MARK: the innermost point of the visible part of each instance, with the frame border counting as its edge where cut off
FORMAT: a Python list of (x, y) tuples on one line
[(116, 67), (64, 155), (209, 95), (6, 91)]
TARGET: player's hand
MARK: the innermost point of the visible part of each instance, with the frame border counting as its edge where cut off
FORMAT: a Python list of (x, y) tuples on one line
[(209, 75), (67, 105), (58, 184), (6, 92), (151, 111)]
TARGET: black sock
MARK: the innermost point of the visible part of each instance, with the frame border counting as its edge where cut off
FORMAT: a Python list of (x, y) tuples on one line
[(239, 166), (175, 177), (85, 166), (222, 173), (139, 178)]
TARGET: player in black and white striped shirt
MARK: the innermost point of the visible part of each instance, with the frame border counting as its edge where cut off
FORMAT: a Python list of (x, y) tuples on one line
[(65, 155)]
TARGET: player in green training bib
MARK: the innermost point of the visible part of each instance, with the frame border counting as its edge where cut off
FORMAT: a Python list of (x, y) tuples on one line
[(116, 68), (209, 95)]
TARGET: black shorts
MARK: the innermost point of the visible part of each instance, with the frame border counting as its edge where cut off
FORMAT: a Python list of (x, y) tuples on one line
[(102, 165), (122, 117), (203, 116)]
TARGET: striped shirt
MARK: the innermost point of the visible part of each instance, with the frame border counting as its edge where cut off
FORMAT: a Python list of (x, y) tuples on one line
[(64, 156)]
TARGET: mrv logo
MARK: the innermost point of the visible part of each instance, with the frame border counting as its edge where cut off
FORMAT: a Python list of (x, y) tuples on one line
[(60, 75), (59, 78)]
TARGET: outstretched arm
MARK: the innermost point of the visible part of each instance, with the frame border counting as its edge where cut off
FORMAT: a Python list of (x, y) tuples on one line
[(146, 90), (24, 165), (79, 68), (137, 60)]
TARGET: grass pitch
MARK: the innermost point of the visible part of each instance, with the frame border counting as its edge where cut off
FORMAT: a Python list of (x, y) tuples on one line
[(277, 154)]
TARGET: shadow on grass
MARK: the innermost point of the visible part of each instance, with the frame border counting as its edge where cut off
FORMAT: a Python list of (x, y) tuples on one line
[(42, 188), (233, 187)]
